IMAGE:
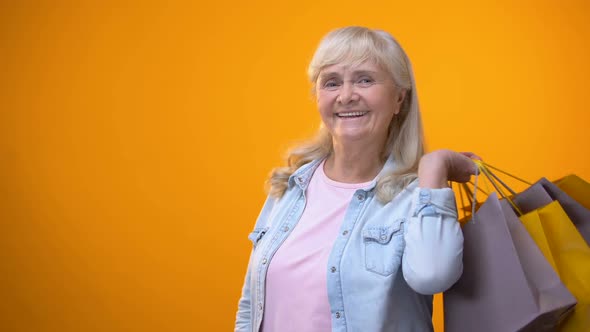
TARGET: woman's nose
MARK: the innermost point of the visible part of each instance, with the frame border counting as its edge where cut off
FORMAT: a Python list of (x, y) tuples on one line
[(347, 93)]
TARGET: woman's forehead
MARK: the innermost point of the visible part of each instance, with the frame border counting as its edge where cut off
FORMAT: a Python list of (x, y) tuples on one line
[(347, 67)]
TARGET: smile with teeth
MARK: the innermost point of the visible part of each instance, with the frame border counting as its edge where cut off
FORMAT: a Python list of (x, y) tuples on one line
[(350, 114)]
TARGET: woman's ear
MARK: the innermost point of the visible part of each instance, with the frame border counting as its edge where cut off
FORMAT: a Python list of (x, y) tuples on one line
[(401, 95)]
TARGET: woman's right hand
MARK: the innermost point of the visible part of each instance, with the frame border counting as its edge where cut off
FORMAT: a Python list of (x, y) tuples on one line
[(438, 167)]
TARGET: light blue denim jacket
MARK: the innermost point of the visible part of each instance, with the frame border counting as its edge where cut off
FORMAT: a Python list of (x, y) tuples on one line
[(386, 262)]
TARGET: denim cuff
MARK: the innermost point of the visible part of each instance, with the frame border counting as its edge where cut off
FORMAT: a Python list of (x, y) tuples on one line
[(432, 202)]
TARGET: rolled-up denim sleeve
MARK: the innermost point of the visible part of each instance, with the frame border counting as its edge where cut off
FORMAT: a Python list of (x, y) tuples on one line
[(433, 255)]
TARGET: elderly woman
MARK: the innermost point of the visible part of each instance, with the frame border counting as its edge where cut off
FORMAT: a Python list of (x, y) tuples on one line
[(360, 229)]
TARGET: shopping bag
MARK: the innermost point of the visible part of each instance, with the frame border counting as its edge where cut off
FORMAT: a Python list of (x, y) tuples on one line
[(558, 239), (544, 192), (563, 246), (507, 284), (577, 188)]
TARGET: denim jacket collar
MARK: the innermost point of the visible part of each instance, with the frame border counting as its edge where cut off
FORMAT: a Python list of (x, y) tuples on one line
[(302, 175)]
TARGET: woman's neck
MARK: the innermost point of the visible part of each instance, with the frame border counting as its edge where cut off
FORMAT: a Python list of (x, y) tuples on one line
[(353, 164)]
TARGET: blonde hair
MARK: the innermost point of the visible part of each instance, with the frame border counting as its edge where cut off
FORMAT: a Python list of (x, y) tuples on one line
[(355, 45)]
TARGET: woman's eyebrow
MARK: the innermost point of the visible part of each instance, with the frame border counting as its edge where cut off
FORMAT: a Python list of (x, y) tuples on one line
[(364, 72), (326, 75)]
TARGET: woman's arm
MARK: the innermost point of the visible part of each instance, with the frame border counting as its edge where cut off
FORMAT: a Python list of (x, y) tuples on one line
[(243, 317), (433, 256), (439, 167)]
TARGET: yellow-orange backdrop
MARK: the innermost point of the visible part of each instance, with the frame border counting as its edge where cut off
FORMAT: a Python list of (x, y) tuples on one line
[(135, 137)]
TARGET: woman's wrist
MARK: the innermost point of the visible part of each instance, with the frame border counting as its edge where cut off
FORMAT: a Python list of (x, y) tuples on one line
[(432, 171)]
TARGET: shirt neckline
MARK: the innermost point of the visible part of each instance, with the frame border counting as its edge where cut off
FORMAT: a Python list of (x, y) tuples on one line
[(337, 184)]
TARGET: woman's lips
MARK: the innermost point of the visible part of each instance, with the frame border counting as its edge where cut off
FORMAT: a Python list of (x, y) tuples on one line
[(351, 115)]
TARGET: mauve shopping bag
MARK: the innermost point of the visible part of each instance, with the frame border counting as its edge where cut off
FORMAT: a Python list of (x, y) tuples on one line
[(507, 285)]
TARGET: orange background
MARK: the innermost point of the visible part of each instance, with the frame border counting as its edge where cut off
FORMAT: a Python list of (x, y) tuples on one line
[(135, 137)]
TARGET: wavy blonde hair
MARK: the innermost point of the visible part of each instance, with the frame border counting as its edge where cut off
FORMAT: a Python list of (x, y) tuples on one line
[(353, 46)]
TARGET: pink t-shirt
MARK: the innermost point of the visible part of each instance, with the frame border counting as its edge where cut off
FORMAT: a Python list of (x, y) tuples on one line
[(296, 281)]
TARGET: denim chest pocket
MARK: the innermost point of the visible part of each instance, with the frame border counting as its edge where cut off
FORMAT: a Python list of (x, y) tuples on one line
[(384, 247), (257, 235)]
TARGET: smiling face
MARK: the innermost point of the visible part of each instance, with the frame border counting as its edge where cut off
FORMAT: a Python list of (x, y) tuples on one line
[(357, 103)]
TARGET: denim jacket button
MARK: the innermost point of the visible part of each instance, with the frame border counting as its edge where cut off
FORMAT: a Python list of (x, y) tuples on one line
[(285, 228), (360, 197), (264, 261), (333, 269), (337, 314), (424, 196), (345, 233), (259, 306)]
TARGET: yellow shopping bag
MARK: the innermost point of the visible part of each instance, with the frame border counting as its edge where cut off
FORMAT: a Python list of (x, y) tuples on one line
[(577, 188), (568, 253)]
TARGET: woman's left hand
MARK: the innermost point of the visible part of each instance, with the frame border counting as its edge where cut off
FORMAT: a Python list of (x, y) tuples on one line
[(440, 166)]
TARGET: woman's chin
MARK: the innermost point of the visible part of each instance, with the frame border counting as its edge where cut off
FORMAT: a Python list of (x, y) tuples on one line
[(351, 135)]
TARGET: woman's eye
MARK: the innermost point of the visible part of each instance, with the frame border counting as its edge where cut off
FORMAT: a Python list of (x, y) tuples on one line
[(330, 85), (365, 82)]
